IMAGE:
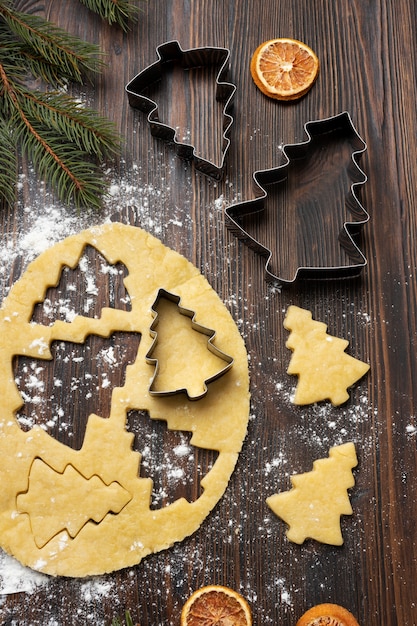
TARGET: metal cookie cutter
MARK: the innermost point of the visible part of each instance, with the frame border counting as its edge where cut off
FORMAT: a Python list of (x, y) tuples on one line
[(171, 54), (313, 170), (162, 293)]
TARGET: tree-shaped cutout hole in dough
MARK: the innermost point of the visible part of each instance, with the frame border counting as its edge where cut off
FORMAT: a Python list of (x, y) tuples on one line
[(81, 290), (60, 393), (175, 466)]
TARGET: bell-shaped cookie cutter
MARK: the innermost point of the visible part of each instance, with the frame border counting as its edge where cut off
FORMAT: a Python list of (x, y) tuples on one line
[(162, 293), (340, 124), (169, 53)]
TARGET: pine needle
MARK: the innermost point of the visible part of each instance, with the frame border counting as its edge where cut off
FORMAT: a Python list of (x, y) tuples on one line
[(8, 164), (128, 620), (64, 139), (72, 56), (119, 12), (80, 125)]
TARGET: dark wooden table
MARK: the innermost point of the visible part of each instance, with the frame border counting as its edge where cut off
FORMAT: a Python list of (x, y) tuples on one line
[(368, 68)]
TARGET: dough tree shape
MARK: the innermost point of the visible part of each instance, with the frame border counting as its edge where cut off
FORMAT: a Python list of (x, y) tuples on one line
[(312, 508), (179, 345), (324, 370), (61, 512)]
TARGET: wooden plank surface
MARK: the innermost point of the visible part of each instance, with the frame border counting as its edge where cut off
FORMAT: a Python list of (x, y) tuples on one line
[(368, 68)]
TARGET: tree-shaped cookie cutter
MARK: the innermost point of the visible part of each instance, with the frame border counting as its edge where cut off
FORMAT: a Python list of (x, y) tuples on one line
[(171, 53), (162, 293), (338, 128)]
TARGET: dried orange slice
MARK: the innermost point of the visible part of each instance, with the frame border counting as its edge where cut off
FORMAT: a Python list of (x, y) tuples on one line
[(327, 615), (216, 605), (284, 68)]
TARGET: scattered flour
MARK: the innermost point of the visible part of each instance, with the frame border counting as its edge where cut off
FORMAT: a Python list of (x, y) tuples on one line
[(14, 578), (411, 430), (319, 426), (46, 221), (96, 589)]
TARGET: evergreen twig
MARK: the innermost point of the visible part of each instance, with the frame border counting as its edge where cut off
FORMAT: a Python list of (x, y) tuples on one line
[(63, 138), (128, 620), (119, 12), (70, 57), (8, 163)]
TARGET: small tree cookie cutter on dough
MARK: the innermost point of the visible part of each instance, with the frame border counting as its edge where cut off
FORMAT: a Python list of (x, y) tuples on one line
[(170, 54), (163, 294)]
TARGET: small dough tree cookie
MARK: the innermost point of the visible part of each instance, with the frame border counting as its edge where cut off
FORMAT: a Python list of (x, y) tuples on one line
[(312, 508), (324, 370)]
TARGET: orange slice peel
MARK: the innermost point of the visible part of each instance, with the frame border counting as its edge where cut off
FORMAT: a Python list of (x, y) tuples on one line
[(214, 605), (284, 68), (327, 615)]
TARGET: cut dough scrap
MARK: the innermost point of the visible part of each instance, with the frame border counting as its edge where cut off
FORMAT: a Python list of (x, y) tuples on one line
[(324, 370), (61, 511), (312, 508), (118, 533)]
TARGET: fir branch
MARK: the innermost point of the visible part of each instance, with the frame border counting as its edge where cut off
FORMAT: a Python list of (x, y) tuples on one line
[(59, 161), (113, 11), (80, 125), (72, 56), (8, 164), (21, 62), (61, 136)]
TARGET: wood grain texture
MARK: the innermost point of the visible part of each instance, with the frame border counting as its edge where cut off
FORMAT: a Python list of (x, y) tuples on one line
[(368, 68)]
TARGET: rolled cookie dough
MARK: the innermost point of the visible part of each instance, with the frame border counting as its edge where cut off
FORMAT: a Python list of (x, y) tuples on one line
[(39, 476)]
